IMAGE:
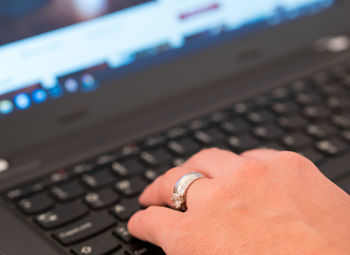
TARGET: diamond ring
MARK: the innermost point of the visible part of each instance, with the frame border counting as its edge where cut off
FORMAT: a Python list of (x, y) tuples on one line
[(180, 189)]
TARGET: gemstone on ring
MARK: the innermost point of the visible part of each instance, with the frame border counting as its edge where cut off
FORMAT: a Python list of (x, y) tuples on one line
[(179, 195)]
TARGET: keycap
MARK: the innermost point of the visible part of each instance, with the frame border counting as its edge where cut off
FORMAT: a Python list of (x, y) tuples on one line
[(178, 132), (297, 140), (121, 231), (346, 135), (342, 120), (337, 167), (154, 141), (84, 228), (234, 126), (126, 208), (312, 154), (285, 108), (58, 177), (198, 124), (280, 93), (308, 98), (243, 142), (120, 252), (106, 159), (61, 215), (333, 89), (315, 112), (332, 146), (99, 245), (82, 168), (101, 199), (320, 130), (67, 191), (35, 204), (183, 146), (215, 134), (339, 103), (98, 179), (292, 122), (156, 156), (151, 174), (217, 117), (138, 248), (24, 191), (131, 187), (269, 131), (202, 137), (127, 167), (260, 116)]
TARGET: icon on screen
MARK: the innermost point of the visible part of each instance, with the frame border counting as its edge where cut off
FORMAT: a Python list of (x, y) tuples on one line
[(39, 96), (88, 82), (56, 91), (22, 101), (71, 85), (6, 107)]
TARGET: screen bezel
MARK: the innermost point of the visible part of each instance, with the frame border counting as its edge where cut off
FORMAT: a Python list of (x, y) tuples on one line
[(164, 80)]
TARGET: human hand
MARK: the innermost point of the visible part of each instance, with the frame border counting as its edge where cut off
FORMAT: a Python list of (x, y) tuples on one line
[(259, 202)]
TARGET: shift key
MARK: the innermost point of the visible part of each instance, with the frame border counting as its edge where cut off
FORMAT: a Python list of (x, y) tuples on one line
[(84, 228)]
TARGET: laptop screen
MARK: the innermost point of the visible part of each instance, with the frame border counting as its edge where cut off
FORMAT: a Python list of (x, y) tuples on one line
[(50, 49)]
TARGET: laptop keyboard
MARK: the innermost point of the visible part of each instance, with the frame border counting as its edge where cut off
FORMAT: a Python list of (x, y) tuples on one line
[(84, 208)]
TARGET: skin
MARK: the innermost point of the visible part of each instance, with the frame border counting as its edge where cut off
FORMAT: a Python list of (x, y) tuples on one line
[(260, 202)]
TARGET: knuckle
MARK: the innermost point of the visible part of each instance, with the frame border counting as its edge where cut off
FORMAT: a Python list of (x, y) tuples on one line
[(252, 169)]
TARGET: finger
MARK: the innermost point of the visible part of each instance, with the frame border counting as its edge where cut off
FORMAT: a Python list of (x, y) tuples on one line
[(160, 191), (260, 154), (212, 161), (155, 224)]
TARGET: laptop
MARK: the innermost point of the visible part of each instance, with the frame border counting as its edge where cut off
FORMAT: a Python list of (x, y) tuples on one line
[(99, 97)]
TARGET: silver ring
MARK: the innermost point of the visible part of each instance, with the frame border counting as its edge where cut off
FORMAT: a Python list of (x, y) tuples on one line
[(181, 187)]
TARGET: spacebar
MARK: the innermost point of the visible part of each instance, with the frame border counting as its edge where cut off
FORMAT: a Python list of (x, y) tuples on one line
[(336, 167), (85, 228)]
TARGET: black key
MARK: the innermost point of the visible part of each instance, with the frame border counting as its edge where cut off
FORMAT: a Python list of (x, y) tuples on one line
[(138, 247), (346, 135), (333, 89), (320, 130), (280, 93), (24, 191), (198, 124), (336, 167), (82, 168), (308, 98), (98, 179), (177, 133), (269, 131), (154, 141), (183, 146), (234, 126), (285, 108), (316, 112), (312, 154), (243, 142), (215, 134), (67, 191), (151, 174), (293, 122), (126, 208), (260, 116), (120, 252), (297, 140), (241, 108), (299, 86), (106, 159), (131, 187), (202, 137), (156, 156), (61, 215), (342, 120), (128, 150), (58, 177), (273, 146), (84, 228), (332, 146), (99, 245), (127, 167), (321, 78), (339, 103), (101, 199), (122, 232), (35, 204), (218, 117)]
